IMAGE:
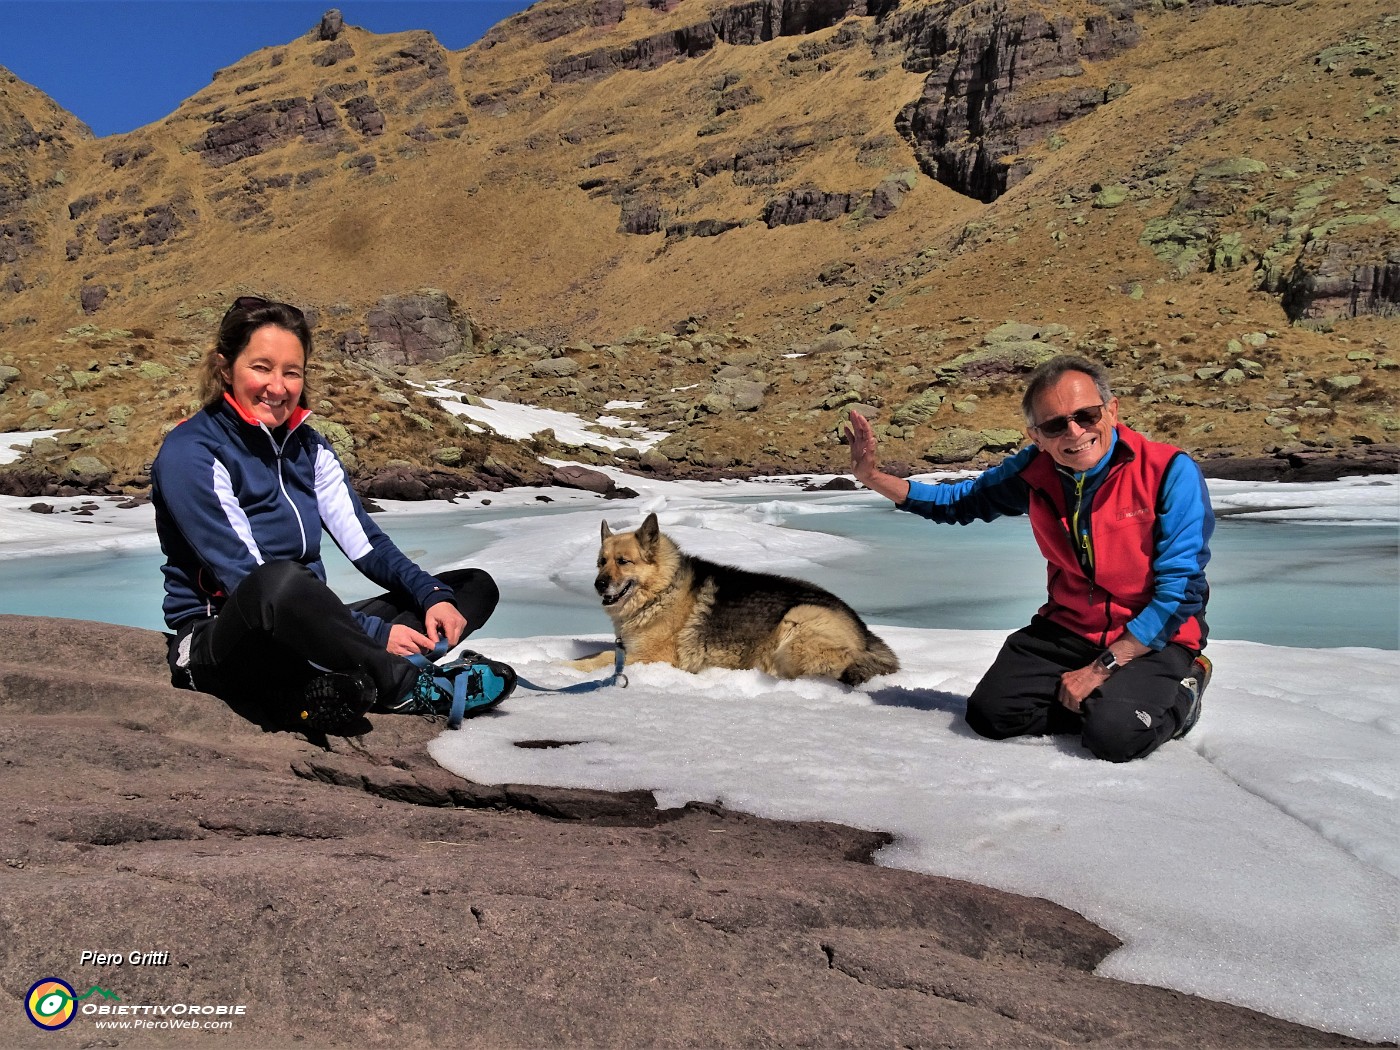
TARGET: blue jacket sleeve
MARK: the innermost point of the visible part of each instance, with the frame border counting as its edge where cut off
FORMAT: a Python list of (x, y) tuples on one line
[(1185, 522), (992, 494), (194, 497), (366, 545)]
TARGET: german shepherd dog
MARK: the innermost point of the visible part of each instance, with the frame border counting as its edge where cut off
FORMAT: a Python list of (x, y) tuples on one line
[(668, 606)]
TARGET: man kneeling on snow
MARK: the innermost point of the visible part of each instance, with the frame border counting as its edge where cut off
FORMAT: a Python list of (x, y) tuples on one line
[(1124, 524)]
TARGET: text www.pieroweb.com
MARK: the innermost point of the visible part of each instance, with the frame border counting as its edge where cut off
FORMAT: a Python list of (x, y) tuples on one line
[(181, 1023), (177, 1017)]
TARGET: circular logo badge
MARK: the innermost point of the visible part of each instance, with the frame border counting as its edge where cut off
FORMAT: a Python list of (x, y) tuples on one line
[(50, 1003)]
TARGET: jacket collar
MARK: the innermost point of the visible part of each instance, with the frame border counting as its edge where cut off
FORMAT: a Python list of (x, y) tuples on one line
[(1097, 471), (295, 420), (1043, 469)]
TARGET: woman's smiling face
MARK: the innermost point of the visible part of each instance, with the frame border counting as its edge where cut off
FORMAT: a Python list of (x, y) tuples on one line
[(266, 379)]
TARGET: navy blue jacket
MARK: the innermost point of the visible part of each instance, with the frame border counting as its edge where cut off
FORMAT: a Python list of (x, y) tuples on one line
[(230, 496)]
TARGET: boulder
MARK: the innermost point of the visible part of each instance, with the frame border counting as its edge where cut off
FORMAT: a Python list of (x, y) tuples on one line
[(91, 297), (1111, 196), (886, 197), (1016, 332), (582, 478), (955, 445), (575, 477), (555, 368), (997, 361), (337, 434), (88, 471), (918, 410), (1002, 440), (744, 395), (1177, 240), (393, 483), (1233, 168), (832, 342), (332, 24), (410, 329)]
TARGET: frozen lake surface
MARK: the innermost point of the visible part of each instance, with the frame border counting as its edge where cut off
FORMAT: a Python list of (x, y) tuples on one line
[(1274, 578)]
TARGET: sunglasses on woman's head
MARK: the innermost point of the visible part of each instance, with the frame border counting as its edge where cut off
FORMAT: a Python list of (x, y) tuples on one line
[(257, 302), (1059, 425)]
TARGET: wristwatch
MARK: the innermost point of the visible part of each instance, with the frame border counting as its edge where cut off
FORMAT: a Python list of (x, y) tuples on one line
[(1107, 662)]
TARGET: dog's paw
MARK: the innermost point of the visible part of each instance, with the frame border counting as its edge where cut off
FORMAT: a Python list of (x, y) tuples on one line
[(593, 663)]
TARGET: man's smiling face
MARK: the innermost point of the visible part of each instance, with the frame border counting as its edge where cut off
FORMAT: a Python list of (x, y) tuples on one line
[(1078, 448)]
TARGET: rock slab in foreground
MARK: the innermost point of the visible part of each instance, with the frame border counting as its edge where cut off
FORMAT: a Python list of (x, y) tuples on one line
[(359, 895)]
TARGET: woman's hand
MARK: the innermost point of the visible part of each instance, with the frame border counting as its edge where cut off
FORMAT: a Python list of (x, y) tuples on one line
[(405, 641), (443, 620)]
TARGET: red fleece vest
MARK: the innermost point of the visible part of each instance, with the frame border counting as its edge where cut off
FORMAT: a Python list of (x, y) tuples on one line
[(1122, 534)]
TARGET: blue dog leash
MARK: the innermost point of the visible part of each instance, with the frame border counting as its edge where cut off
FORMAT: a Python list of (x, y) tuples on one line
[(619, 657)]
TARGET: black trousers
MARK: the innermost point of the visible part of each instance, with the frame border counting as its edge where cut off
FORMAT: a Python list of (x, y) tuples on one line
[(282, 626), (1137, 710)]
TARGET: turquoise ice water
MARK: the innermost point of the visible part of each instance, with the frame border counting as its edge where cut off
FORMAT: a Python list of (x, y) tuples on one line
[(1308, 586)]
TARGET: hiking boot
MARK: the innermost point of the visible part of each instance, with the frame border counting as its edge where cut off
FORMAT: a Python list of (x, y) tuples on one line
[(335, 703), (461, 688), (1194, 683)]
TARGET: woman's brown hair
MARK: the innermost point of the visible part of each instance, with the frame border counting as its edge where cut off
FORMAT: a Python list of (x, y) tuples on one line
[(247, 314)]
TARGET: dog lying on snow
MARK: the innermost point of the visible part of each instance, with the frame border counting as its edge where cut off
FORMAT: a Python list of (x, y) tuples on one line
[(670, 607)]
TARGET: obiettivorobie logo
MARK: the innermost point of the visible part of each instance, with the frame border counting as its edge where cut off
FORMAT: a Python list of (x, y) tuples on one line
[(52, 1004)]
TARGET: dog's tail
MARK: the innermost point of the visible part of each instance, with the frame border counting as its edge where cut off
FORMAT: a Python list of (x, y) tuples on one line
[(875, 658)]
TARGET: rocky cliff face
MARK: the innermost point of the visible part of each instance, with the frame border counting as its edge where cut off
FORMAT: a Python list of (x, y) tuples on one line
[(1001, 77), (741, 25), (37, 139), (1343, 279)]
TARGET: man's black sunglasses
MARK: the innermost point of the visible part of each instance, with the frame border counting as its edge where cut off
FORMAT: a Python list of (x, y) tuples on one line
[(1058, 425)]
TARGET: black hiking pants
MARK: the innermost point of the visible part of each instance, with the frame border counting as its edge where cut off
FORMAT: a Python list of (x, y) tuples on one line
[(1137, 710), (282, 626)]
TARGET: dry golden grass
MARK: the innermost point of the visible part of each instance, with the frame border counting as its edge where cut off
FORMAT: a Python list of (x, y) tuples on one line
[(496, 218)]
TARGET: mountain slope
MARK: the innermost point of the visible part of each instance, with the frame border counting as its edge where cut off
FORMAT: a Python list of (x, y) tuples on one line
[(620, 201)]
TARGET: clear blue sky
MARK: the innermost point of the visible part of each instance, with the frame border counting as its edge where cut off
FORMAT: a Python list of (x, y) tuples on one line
[(119, 64)]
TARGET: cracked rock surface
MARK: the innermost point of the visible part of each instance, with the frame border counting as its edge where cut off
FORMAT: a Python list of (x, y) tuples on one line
[(352, 893)]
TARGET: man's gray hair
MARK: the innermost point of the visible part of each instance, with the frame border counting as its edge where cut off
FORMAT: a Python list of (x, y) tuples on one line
[(1048, 373)]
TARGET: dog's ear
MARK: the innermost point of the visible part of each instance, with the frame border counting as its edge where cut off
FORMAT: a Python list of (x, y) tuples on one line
[(649, 532), (606, 531)]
